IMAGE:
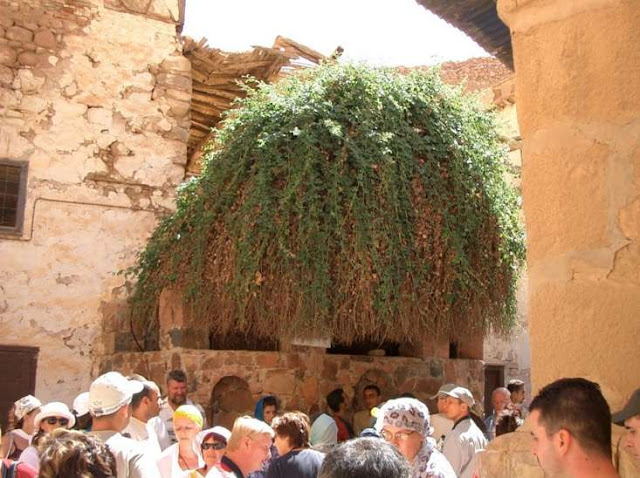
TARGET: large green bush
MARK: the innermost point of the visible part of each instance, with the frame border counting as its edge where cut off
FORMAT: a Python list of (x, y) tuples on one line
[(345, 201)]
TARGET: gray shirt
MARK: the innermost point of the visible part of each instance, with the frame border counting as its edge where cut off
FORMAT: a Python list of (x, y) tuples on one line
[(462, 444)]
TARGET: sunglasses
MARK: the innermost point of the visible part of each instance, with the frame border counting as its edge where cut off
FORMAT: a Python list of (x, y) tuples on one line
[(213, 446), (55, 420)]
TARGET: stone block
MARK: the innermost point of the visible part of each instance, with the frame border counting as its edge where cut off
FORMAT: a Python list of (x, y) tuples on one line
[(279, 382), (100, 116), (19, 34), (137, 6), (8, 55), (562, 338), (6, 75), (45, 39), (566, 171), (166, 10), (176, 63), (28, 58), (29, 83), (174, 81)]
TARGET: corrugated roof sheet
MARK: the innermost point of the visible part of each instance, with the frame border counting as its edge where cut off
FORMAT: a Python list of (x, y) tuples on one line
[(479, 20)]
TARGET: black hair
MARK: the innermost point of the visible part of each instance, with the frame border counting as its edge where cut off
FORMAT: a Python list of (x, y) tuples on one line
[(515, 387), (365, 458), (335, 398), (371, 386), (137, 397), (270, 401), (577, 406)]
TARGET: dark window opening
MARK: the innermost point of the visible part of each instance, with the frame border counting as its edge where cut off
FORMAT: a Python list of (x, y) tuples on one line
[(234, 341), (13, 180), (365, 347)]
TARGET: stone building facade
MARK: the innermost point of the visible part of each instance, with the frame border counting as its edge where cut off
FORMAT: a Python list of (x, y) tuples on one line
[(94, 102)]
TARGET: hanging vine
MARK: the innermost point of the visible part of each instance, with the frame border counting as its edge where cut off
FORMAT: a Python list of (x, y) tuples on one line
[(349, 202)]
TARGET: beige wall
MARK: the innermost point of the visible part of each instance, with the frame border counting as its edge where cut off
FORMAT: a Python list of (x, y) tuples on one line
[(96, 99), (578, 93)]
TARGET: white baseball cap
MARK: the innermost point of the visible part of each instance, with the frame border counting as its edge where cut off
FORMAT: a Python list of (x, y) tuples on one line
[(81, 404), (461, 394), (110, 392)]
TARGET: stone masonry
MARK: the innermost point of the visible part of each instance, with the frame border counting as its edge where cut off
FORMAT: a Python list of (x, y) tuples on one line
[(301, 380), (95, 96)]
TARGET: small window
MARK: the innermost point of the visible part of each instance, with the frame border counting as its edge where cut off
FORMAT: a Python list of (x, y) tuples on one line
[(13, 182)]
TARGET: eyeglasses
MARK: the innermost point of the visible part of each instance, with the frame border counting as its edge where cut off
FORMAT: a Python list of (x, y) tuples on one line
[(399, 436), (213, 446), (55, 420)]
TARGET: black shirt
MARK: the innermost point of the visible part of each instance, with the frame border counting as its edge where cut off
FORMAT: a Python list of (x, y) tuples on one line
[(229, 465), (297, 464)]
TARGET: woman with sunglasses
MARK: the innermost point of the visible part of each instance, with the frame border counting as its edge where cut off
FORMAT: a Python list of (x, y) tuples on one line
[(404, 422), (52, 416), (212, 443)]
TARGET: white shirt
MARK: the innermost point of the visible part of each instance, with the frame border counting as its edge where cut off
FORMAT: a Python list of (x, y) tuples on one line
[(131, 459), (461, 445), (167, 437), (169, 464), (144, 433)]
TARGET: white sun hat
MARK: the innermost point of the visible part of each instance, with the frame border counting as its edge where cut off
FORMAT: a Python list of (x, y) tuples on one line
[(54, 409)]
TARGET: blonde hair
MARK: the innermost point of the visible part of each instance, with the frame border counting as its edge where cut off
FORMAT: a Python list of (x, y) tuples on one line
[(247, 426)]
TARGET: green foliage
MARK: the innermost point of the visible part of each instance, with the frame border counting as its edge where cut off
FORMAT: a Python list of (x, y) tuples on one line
[(349, 201)]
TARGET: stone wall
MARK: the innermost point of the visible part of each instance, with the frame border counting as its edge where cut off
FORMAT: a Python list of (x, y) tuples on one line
[(95, 96), (300, 379)]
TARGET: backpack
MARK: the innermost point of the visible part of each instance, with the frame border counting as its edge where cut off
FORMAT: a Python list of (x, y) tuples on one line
[(13, 469), (9, 469)]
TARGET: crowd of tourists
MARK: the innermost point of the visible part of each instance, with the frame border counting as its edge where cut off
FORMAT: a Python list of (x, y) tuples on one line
[(122, 427)]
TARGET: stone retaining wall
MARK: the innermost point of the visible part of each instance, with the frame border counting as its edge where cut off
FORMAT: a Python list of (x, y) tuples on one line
[(300, 379)]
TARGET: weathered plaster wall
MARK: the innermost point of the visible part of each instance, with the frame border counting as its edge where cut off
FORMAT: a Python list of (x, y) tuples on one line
[(95, 96), (300, 379)]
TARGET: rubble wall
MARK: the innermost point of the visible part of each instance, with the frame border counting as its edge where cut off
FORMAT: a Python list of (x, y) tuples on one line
[(95, 96)]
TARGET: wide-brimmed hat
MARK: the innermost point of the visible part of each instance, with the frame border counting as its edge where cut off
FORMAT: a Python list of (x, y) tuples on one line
[(110, 392), (631, 409), (54, 409), (25, 405)]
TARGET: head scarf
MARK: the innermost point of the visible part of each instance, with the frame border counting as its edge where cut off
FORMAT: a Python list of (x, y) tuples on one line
[(189, 412), (412, 414), (324, 431), (407, 413), (259, 410)]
